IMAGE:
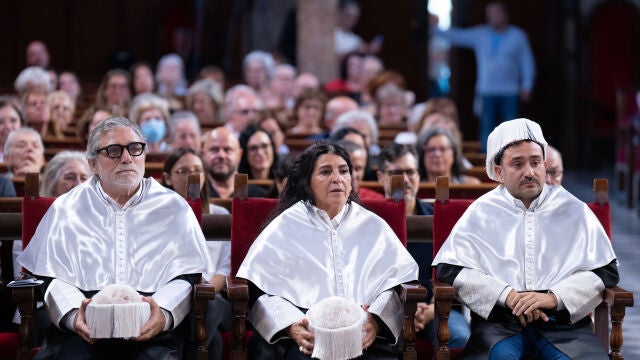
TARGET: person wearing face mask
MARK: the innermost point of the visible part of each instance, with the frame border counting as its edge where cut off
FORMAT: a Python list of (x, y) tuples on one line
[(151, 113)]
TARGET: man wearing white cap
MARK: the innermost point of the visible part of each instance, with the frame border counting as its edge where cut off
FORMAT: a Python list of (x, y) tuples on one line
[(530, 260)]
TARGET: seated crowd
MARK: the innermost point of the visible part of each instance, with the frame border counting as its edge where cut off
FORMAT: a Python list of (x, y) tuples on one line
[(309, 145)]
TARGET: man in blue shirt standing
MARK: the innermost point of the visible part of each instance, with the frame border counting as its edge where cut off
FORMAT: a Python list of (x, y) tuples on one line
[(505, 65)]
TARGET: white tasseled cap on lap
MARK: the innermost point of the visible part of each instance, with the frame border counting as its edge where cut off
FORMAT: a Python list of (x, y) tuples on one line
[(507, 133), (337, 326), (117, 311)]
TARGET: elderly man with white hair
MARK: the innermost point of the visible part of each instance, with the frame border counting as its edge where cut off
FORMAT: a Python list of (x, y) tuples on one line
[(184, 131), (530, 260), (23, 152), (31, 78), (258, 70)]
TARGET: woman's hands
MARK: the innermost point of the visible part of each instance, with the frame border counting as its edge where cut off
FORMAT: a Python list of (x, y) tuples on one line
[(300, 333), (370, 328)]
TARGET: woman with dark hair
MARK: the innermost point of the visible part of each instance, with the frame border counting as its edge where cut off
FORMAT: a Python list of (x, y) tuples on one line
[(178, 165), (317, 245), (259, 156), (439, 156), (308, 112)]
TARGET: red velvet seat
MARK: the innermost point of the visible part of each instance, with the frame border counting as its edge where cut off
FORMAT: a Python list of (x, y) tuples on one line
[(249, 215), (446, 214)]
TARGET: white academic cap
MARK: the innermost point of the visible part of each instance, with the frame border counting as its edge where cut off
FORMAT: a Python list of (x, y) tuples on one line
[(336, 324), (507, 133)]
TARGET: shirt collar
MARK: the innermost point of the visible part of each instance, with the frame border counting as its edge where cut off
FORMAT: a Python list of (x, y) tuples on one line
[(336, 221), (132, 201)]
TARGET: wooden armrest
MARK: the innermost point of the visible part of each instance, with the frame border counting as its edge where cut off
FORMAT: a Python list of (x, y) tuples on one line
[(618, 299), (444, 295), (202, 293), (617, 296), (26, 299), (238, 291), (411, 294)]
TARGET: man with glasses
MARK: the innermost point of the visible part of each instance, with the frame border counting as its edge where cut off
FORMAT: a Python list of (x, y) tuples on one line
[(117, 228), (402, 159), (555, 169)]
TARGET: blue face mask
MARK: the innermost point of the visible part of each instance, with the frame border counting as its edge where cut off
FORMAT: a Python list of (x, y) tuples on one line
[(153, 130)]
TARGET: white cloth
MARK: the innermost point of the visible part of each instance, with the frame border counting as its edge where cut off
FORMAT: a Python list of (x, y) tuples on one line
[(507, 133), (552, 245), (346, 42), (303, 257), (86, 241)]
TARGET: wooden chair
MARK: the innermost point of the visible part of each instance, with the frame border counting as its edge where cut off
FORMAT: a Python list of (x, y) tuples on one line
[(33, 209), (247, 219), (446, 214)]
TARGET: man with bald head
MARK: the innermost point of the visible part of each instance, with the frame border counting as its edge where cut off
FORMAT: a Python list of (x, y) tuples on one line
[(554, 166), (37, 54), (221, 154), (241, 106), (336, 107)]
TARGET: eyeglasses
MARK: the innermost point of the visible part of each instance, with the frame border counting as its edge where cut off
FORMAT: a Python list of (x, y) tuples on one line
[(434, 149), (182, 172), (115, 151), (554, 173), (247, 111), (255, 148), (402, 172)]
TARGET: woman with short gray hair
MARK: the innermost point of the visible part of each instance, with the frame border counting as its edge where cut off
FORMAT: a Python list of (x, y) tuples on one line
[(63, 172)]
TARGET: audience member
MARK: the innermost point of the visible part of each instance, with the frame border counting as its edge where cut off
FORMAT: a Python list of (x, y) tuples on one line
[(505, 65), (178, 165), (358, 138), (399, 159), (32, 78), (241, 106), (37, 54), (335, 107), (114, 93), (23, 152), (53, 79), (110, 206), (280, 93), (91, 117), (142, 75), (184, 131), (37, 110), (259, 156), (365, 124), (62, 109), (439, 156), (274, 123), (309, 112), (349, 83), (391, 107), (66, 170), (204, 98), (221, 153), (371, 66), (258, 69), (69, 83), (359, 157), (345, 40), (170, 78), (319, 205), (151, 113), (303, 81), (555, 169), (530, 294), (10, 120)]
